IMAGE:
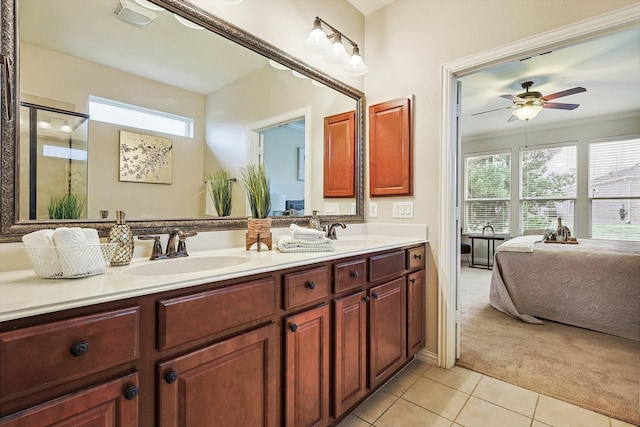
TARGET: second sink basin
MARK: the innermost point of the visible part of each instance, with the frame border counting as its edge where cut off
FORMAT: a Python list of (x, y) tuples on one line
[(185, 265)]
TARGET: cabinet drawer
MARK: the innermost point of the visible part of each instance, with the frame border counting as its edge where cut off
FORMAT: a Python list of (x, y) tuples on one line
[(385, 265), (43, 356), (190, 317), (305, 286), (415, 258), (350, 274)]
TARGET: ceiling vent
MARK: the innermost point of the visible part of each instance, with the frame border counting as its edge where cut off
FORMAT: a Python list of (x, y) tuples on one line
[(134, 14)]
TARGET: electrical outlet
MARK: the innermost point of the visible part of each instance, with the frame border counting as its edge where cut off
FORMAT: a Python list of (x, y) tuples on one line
[(331, 209), (373, 210)]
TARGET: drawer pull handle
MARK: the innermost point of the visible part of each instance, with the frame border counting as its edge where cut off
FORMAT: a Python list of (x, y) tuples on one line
[(366, 298), (171, 377), (293, 327), (131, 393), (79, 348), (375, 295), (417, 256), (412, 280), (354, 274), (311, 285)]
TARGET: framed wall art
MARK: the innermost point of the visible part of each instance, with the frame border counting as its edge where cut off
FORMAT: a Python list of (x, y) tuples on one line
[(146, 158)]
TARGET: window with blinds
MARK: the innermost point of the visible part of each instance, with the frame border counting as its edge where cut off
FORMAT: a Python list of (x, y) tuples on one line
[(614, 189), (548, 187), (487, 192)]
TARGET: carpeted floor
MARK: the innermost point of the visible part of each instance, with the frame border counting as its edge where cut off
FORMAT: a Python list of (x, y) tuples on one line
[(596, 371)]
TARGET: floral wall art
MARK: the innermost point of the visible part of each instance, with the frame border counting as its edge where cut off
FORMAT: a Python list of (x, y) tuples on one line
[(146, 158)]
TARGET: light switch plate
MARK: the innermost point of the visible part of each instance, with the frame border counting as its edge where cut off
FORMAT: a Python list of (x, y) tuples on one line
[(402, 209), (373, 210), (331, 209)]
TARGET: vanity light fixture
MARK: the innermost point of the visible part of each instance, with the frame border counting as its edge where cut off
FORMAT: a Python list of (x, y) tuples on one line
[(187, 23), (66, 128), (331, 45)]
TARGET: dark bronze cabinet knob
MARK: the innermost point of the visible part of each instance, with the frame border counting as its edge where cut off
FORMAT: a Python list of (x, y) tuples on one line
[(171, 377), (375, 295), (131, 393), (366, 298), (417, 256), (412, 280), (354, 274), (293, 327), (79, 348), (311, 284)]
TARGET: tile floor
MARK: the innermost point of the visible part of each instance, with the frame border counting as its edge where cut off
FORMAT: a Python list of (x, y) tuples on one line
[(425, 395)]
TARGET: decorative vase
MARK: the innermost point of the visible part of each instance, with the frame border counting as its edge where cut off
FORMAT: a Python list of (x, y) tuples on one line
[(122, 235), (258, 231)]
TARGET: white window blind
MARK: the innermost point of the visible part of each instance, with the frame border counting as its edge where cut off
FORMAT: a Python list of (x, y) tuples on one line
[(548, 179), (487, 192), (614, 189)]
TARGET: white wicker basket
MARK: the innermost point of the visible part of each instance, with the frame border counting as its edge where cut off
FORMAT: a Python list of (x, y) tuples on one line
[(70, 262)]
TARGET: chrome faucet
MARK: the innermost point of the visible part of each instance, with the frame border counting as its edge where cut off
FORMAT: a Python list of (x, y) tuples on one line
[(331, 229)]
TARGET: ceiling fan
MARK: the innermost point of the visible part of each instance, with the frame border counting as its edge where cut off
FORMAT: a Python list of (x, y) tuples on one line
[(528, 104)]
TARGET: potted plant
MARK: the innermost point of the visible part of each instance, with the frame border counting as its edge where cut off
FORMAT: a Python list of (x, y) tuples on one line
[(255, 181), (219, 184), (67, 206)]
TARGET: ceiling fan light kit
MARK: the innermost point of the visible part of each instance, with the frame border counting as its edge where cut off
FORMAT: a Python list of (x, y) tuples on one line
[(528, 104)]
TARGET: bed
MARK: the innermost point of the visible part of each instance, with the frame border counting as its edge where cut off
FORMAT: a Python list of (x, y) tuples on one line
[(594, 284)]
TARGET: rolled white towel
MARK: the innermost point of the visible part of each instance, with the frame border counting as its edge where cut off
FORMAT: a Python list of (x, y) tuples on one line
[(38, 238), (79, 250), (289, 244), (301, 233)]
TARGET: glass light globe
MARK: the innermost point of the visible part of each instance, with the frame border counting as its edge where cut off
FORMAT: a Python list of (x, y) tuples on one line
[(338, 54), (355, 66), (317, 41)]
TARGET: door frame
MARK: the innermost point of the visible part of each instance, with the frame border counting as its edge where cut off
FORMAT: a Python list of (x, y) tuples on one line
[(450, 72)]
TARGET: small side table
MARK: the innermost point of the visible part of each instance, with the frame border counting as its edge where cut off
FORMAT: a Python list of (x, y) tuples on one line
[(491, 248)]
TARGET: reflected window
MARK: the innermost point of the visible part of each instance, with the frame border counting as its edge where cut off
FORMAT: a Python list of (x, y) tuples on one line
[(120, 113)]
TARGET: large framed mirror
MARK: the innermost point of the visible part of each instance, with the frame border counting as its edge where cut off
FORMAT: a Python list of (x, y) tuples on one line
[(235, 98)]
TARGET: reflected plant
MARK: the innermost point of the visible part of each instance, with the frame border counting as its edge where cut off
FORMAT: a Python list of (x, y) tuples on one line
[(67, 206), (220, 187), (254, 178)]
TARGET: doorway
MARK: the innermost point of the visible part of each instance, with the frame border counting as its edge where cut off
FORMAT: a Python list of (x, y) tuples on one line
[(449, 269)]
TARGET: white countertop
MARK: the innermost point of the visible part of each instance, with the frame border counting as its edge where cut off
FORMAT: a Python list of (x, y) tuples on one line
[(24, 294)]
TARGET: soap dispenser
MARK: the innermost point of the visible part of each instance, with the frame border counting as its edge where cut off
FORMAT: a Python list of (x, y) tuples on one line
[(314, 222), (122, 235)]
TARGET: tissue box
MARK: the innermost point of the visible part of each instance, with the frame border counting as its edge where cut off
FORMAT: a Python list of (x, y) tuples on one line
[(71, 262)]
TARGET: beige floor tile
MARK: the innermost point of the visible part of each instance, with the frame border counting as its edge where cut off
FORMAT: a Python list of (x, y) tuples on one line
[(400, 383), (459, 378), (507, 395), (618, 423), (479, 413), (416, 367), (406, 414), (371, 409), (436, 397), (539, 424), (561, 414), (353, 421)]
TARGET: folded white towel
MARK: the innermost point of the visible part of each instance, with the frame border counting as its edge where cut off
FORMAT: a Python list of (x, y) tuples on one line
[(289, 244), (520, 244), (38, 238), (301, 233), (79, 251)]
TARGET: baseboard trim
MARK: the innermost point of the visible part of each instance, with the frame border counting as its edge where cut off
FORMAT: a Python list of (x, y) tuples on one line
[(427, 356)]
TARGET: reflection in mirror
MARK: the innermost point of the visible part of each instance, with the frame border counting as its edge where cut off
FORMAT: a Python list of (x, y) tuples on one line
[(235, 97)]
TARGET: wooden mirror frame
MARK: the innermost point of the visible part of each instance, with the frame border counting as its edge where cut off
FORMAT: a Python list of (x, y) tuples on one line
[(11, 229)]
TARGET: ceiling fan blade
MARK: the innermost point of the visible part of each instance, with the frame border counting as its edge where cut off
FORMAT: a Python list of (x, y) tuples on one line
[(560, 105), (564, 93), (495, 109), (512, 118), (511, 98)]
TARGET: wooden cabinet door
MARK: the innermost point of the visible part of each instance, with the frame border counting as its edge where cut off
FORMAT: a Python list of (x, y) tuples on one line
[(111, 404), (390, 151), (307, 368), (231, 383), (350, 351), (416, 302), (387, 330), (339, 155)]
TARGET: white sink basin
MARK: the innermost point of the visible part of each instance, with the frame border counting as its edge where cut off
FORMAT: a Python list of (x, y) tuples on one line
[(185, 265)]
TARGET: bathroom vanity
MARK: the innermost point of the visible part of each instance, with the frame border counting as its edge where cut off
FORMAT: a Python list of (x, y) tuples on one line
[(281, 339)]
